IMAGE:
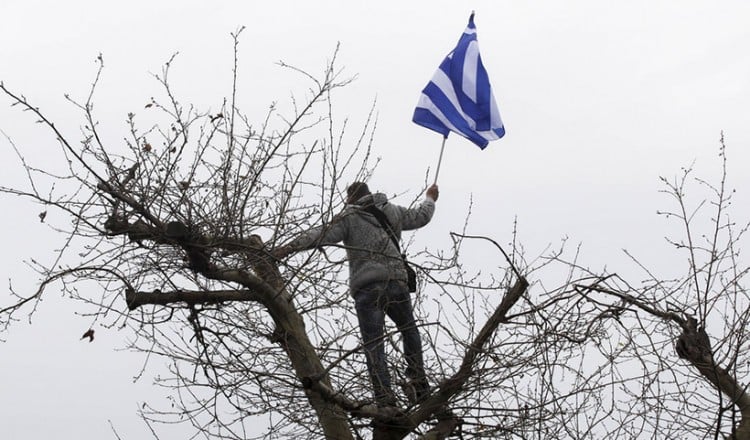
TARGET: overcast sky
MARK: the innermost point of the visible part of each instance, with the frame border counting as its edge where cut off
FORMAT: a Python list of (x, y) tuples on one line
[(599, 99)]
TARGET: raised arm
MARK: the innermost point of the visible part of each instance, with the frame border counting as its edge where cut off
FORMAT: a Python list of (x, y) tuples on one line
[(413, 218)]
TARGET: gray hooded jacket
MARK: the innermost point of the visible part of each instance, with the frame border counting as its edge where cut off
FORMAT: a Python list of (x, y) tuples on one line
[(371, 253)]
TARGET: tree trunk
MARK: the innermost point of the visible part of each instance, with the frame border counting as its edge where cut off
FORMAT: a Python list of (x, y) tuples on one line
[(694, 346)]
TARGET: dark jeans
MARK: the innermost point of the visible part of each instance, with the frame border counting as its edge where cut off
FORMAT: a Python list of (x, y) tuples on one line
[(373, 302)]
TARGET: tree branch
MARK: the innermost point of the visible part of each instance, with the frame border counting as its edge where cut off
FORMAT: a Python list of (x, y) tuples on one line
[(694, 346), (136, 299), (449, 388)]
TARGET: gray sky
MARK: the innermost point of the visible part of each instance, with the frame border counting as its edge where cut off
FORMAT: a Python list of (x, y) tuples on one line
[(598, 99)]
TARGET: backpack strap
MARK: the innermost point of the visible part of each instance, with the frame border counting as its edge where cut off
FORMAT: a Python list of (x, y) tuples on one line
[(411, 275)]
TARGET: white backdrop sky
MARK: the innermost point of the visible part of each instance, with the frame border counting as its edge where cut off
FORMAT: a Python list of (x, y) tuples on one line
[(598, 99)]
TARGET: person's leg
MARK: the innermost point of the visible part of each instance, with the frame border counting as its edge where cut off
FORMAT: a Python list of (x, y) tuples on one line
[(367, 301), (399, 308)]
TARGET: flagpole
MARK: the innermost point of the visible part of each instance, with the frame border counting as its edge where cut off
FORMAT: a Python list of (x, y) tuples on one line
[(440, 159)]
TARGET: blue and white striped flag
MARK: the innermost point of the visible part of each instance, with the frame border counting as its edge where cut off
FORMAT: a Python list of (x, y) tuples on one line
[(459, 97)]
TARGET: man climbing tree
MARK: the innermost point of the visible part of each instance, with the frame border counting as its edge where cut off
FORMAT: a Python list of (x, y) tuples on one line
[(370, 228)]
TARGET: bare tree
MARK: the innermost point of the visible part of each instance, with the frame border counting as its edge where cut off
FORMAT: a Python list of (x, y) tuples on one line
[(169, 229), (686, 336), (170, 236)]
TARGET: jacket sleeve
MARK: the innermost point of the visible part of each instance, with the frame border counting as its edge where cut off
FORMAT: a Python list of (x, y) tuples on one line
[(327, 234), (413, 218)]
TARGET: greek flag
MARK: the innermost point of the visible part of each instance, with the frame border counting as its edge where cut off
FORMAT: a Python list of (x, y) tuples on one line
[(459, 97)]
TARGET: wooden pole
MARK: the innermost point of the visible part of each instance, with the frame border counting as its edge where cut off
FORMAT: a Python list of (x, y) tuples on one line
[(440, 159)]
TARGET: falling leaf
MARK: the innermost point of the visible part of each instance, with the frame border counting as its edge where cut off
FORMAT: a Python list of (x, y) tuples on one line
[(42, 216), (89, 334)]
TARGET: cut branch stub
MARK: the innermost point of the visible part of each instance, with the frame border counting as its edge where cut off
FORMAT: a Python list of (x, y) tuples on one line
[(177, 231), (693, 344)]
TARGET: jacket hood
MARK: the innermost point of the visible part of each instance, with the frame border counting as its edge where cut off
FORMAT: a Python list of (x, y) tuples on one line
[(378, 199)]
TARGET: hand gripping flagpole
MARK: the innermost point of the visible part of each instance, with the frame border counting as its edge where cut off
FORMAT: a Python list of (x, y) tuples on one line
[(440, 159)]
